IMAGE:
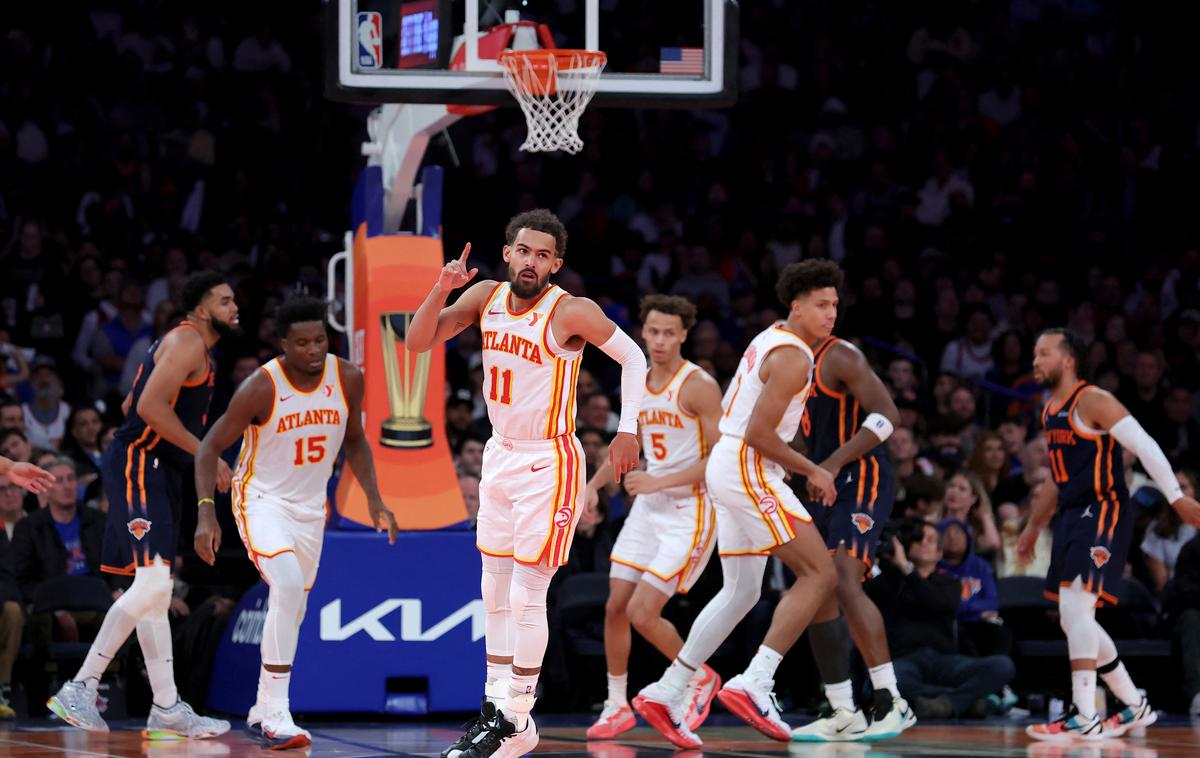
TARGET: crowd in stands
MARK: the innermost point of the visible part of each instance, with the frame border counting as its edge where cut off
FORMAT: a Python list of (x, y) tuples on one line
[(980, 171)]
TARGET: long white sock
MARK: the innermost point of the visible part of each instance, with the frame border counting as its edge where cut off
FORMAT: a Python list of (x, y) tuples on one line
[(1121, 685), (117, 626), (764, 664), (617, 688), (521, 697), (1083, 692), (275, 686), (154, 637), (883, 677), (496, 688), (841, 695)]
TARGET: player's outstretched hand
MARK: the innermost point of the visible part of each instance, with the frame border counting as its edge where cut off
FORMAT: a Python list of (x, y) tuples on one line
[(623, 454), (224, 475), (208, 534), (1026, 544), (30, 477), (1187, 508), (455, 273), (380, 514)]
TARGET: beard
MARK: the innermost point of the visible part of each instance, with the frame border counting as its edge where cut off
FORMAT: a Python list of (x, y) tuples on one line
[(1050, 380), (525, 289), (224, 329)]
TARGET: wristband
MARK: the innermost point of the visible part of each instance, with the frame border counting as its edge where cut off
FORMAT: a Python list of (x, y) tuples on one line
[(878, 424), (207, 500)]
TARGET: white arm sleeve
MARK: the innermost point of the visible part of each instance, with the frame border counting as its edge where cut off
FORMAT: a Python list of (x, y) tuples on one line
[(1130, 434), (622, 349)]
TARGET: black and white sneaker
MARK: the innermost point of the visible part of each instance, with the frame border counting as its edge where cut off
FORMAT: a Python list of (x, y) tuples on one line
[(491, 739), (473, 730)]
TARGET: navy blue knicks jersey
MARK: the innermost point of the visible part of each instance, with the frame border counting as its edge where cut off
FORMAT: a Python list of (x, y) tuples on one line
[(1086, 467), (831, 419), (190, 405)]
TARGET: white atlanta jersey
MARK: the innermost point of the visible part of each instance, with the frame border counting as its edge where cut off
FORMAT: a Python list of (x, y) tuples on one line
[(742, 394), (671, 437), (290, 456), (528, 378)]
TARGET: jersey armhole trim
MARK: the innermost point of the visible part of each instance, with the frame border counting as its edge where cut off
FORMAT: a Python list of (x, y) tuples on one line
[(679, 393), (817, 361), (546, 331), (274, 398), (488, 302), (337, 370)]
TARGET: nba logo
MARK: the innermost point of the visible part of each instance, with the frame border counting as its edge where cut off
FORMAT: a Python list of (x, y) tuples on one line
[(370, 39)]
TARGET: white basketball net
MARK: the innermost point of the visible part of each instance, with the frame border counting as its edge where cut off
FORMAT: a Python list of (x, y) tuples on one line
[(553, 87)]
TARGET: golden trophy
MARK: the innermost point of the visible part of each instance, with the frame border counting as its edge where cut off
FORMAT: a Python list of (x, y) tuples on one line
[(406, 427)]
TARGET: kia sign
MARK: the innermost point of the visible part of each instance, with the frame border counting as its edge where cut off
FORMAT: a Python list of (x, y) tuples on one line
[(399, 624)]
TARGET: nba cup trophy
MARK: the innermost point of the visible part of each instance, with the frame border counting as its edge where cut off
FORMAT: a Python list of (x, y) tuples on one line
[(407, 381)]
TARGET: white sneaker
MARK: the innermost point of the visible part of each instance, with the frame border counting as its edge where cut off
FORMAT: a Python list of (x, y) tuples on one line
[(75, 703), (837, 725), (517, 744), (180, 722), (663, 710), (753, 702), (1129, 718), (279, 732), (898, 718)]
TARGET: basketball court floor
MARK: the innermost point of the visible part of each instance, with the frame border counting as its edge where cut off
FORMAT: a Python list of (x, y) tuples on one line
[(564, 736)]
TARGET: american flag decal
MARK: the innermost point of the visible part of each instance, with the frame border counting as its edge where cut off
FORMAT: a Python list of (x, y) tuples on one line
[(681, 61)]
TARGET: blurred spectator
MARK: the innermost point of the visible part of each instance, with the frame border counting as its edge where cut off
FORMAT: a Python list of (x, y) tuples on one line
[(1180, 435), (116, 338), (82, 443), (46, 415), (12, 416), (968, 501), (919, 607), (1167, 536), (12, 617), (468, 484), (981, 631), (469, 459), (989, 463), (970, 356), (12, 499), (14, 369), (597, 413), (1144, 398)]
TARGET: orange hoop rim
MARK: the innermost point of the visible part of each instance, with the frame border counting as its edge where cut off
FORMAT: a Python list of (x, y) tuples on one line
[(565, 59)]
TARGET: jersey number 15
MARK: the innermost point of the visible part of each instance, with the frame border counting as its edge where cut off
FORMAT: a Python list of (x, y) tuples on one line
[(310, 450)]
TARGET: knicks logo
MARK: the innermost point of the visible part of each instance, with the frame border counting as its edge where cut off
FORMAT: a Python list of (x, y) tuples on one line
[(768, 504), (138, 527), (862, 522), (1100, 556), (563, 517), (970, 587)]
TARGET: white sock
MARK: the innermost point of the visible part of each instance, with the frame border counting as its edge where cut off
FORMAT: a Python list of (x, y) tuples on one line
[(617, 684), (841, 695), (1121, 685), (275, 685), (675, 679), (496, 689), (521, 697), (762, 667), (154, 637), (883, 677), (115, 629), (1083, 692)]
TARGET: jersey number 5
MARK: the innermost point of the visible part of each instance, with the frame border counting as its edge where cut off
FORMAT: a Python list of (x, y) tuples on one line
[(504, 379), (660, 450), (310, 450)]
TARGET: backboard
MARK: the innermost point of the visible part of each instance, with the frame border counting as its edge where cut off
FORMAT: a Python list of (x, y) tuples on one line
[(661, 53)]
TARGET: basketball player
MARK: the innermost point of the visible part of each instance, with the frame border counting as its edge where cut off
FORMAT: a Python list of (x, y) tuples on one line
[(1086, 428), (850, 414), (757, 512), (142, 472), (667, 540), (26, 475), (530, 493), (293, 415)]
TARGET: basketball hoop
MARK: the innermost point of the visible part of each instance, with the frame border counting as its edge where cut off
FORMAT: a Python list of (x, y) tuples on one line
[(553, 87)]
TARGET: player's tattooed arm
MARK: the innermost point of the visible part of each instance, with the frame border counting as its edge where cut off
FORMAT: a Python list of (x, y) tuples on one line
[(358, 451)]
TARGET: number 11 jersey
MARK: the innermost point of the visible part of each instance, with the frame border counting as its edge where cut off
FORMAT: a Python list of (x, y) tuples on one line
[(528, 378)]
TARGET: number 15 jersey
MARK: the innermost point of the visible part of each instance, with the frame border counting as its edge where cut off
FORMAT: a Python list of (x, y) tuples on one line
[(290, 456)]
